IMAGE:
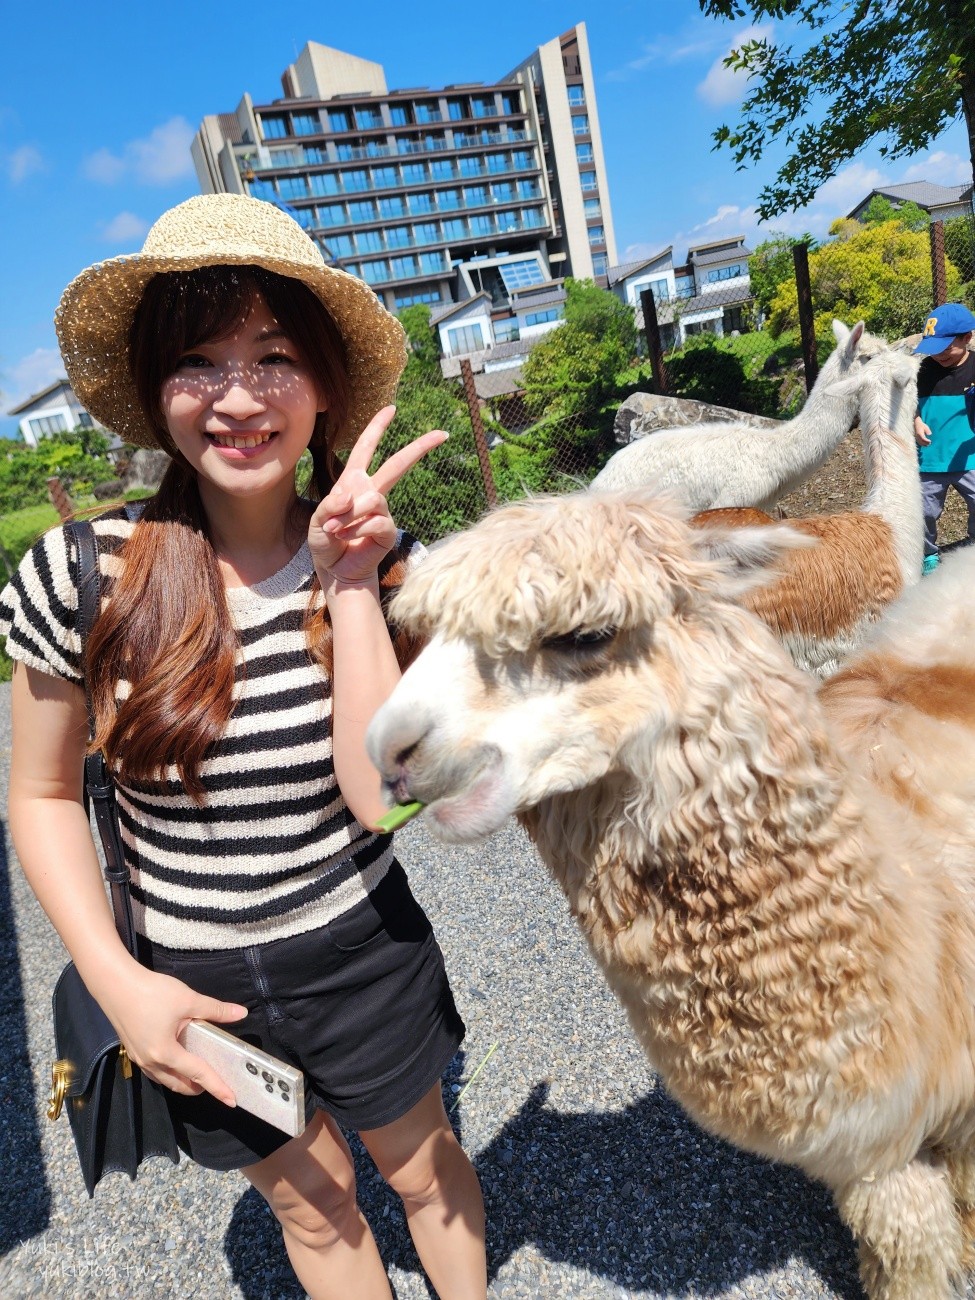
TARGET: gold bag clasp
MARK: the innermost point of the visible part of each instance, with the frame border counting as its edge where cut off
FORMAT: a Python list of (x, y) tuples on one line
[(62, 1073)]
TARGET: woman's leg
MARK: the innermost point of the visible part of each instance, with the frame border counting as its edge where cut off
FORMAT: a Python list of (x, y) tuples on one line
[(309, 1184), (425, 1165)]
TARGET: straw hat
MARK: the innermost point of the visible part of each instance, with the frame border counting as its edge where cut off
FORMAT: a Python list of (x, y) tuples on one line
[(96, 310)]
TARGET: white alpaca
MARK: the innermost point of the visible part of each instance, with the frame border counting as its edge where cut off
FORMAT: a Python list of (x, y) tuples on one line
[(709, 465), (778, 886), (824, 598)]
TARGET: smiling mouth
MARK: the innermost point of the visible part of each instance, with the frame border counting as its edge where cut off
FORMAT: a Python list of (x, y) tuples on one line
[(244, 441)]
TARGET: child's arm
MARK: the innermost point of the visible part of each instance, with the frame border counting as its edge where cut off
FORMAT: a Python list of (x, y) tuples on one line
[(922, 433)]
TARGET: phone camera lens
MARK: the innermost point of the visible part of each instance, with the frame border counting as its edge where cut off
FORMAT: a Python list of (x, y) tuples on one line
[(251, 1067), (267, 1077), (268, 1088)]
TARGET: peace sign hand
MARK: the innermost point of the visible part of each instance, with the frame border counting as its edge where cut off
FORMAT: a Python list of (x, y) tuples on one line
[(351, 529)]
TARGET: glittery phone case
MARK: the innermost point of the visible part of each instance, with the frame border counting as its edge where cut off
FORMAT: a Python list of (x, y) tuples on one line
[(261, 1084)]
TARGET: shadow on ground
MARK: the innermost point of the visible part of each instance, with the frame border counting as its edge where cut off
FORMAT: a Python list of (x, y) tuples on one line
[(27, 1213), (569, 1185)]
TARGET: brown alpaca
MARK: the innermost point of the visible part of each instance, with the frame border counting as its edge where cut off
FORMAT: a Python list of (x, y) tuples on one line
[(778, 886)]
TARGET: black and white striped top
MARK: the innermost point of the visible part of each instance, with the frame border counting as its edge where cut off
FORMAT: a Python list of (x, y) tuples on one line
[(273, 850)]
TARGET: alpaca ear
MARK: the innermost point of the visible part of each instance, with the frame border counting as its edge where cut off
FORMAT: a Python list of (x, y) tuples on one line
[(849, 339), (751, 555)]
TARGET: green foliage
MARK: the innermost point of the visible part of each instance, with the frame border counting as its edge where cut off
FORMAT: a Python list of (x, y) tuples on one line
[(878, 210), (742, 373), (960, 245), (77, 458), (771, 265), (600, 314), (422, 337), (912, 216), (894, 72), (571, 372), (880, 274)]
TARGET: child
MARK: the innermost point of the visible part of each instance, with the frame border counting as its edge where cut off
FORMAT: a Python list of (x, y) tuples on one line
[(946, 443), (239, 656)]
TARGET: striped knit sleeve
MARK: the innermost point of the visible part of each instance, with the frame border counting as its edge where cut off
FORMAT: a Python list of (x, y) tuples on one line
[(38, 610)]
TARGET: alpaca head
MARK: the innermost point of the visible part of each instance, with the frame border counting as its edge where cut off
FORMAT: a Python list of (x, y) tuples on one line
[(563, 634), (885, 388)]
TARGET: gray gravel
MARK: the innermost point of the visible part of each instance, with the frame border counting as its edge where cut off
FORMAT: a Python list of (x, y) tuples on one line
[(596, 1184)]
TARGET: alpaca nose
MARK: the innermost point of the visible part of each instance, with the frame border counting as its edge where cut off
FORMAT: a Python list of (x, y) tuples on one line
[(392, 740)]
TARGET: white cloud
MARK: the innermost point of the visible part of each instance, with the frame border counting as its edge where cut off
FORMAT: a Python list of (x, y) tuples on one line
[(668, 50), (157, 159), (126, 228), (23, 162), (724, 85), (941, 168), (32, 374)]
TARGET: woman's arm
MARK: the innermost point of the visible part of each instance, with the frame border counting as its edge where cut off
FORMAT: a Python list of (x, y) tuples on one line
[(350, 533), (53, 840)]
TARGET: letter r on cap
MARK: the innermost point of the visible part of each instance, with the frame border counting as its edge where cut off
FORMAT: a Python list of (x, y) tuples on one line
[(930, 325)]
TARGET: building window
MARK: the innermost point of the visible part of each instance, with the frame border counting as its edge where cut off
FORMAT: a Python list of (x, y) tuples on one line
[(323, 183), (584, 153), (684, 286), (510, 104), (597, 235), (414, 173), (577, 96), (375, 272), (332, 215), (420, 203), (448, 199), (456, 229), (398, 237), (411, 299), (497, 162), (503, 192), (293, 187), (431, 263), (599, 264), (523, 160), (427, 233), (305, 217), (580, 124), (366, 118), (518, 275), (340, 245), (588, 181), (508, 221), (313, 154), (659, 288), (734, 318), (465, 338), (354, 180), (528, 189), (726, 273), (338, 119), (593, 208), (398, 115), (457, 110), (43, 425), (394, 207), (306, 123), (274, 128), (426, 113), (363, 211), (469, 166), (482, 225), (475, 196), (369, 241), (483, 106), (543, 317), (532, 217), (442, 169), (403, 267), (384, 176)]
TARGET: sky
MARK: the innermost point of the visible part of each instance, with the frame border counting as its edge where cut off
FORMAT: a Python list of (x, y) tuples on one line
[(99, 102)]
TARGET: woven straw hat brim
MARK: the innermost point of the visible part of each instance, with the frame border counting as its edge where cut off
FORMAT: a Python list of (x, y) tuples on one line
[(96, 310)]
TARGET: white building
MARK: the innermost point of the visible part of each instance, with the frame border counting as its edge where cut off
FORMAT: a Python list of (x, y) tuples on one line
[(54, 410)]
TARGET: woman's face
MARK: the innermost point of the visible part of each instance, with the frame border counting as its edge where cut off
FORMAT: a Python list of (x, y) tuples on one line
[(241, 409)]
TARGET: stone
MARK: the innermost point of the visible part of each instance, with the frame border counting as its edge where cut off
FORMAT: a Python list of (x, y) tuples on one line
[(145, 469), (645, 413)]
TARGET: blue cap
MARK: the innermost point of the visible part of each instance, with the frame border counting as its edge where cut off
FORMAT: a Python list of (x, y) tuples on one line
[(942, 325)]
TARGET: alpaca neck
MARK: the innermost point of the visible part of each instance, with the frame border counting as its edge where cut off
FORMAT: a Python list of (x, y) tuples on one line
[(893, 484), (807, 440)]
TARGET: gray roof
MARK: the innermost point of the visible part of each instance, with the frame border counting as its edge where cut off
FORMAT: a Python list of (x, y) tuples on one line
[(542, 296), (715, 300), (39, 397), (616, 273), (438, 314), (924, 193), (728, 255), (450, 366)]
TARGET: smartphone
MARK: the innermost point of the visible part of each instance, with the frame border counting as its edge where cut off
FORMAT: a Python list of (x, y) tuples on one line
[(262, 1084)]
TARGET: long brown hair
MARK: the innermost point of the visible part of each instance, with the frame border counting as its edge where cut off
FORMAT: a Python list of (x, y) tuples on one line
[(166, 628)]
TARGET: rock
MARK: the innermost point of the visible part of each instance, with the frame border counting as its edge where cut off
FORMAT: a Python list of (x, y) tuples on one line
[(145, 469), (644, 413)]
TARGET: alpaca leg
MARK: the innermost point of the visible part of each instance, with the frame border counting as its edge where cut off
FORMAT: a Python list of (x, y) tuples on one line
[(961, 1174), (908, 1232)]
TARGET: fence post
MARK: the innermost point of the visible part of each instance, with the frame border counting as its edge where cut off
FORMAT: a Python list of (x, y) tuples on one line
[(480, 442), (807, 326), (939, 277), (59, 498), (655, 350)]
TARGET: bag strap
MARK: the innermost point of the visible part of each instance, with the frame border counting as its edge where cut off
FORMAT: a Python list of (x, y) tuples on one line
[(98, 780)]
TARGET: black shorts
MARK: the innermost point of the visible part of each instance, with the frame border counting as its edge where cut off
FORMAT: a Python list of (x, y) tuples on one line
[(362, 1006)]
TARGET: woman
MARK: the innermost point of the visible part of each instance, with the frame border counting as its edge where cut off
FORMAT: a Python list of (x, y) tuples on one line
[(239, 656)]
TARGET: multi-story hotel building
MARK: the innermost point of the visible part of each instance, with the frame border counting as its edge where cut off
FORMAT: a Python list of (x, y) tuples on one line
[(432, 196)]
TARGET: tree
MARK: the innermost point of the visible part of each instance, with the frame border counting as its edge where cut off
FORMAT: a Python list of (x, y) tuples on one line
[(771, 265), (878, 210), (422, 337), (77, 458), (880, 274), (912, 216), (599, 314), (898, 71)]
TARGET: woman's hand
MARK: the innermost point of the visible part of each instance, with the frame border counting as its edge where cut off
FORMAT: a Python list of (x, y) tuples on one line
[(150, 1014), (351, 529)]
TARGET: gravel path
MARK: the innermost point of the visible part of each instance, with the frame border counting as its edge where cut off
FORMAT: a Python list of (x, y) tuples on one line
[(596, 1184)]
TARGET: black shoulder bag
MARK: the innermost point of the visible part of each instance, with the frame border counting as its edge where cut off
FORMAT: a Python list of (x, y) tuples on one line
[(118, 1116)]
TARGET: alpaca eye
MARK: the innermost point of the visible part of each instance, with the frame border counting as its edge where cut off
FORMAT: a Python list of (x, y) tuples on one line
[(580, 639)]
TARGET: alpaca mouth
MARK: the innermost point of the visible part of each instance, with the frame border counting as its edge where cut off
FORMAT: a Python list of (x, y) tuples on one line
[(478, 807)]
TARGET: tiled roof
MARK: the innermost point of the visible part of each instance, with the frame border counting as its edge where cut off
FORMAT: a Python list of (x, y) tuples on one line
[(728, 255), (438, 314), (924, 193), (616, 273), (39, 397), (528, 302)]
